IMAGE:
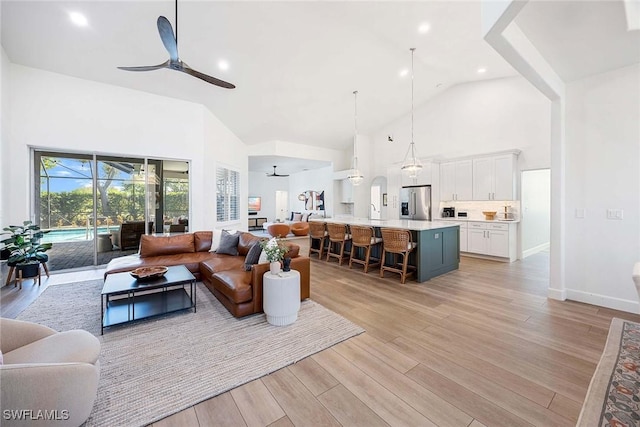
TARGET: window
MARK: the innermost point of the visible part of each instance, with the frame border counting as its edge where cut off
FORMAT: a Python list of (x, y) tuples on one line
[(227, 194)]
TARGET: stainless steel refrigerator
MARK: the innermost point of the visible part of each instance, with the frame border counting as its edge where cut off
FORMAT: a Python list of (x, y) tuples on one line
[(415, 202)]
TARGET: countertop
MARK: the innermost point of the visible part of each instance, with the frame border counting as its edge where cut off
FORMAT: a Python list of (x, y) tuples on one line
[(398, 223), (478, 220)]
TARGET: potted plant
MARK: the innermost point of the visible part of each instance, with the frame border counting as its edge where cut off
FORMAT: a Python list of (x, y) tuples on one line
[(26, 251), (275, 250)]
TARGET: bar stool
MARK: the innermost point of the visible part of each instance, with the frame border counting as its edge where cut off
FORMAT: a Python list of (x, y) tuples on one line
[(338, 237), (363, 237), (318, 235), (396, 242)]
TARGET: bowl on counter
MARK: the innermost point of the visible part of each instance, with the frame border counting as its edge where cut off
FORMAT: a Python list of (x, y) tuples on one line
[(489, 216)]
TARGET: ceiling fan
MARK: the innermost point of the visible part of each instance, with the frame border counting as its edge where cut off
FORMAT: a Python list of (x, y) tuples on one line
[(174, 63), (276, 174)]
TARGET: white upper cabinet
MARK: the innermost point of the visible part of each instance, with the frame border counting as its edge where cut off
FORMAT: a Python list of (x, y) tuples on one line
[(456, 180), (494, 177)]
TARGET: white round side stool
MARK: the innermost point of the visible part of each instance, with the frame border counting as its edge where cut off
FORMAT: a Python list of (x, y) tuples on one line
[(281, 297)]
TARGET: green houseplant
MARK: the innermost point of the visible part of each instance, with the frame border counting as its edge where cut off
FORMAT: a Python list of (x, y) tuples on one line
[(26, 251)]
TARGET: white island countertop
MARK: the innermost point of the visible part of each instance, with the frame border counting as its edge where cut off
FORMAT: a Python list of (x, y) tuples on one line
[(403, 224)]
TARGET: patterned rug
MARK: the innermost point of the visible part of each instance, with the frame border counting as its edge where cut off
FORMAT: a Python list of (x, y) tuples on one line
[(157, 367), (613, 398)]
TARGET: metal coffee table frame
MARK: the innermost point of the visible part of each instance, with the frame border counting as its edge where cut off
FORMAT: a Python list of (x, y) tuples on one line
[(168, 294)]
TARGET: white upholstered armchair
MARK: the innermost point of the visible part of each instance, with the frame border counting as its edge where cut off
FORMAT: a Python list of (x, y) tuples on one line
[(44, 370)]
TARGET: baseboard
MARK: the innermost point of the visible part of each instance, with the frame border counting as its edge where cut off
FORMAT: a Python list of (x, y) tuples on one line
[(559, 294), (629, 306), (535, 250)]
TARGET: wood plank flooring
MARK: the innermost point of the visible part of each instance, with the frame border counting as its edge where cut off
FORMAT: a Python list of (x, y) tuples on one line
[(481, 346)]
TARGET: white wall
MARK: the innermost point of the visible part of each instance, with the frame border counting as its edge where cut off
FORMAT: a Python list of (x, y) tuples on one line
[(4, 136), (602, 172), (262, 186), (57, 112), (473, 118), (535, 227), (317, 180)]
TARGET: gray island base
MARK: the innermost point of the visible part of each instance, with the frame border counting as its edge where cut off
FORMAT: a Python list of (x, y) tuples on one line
[(438, 243)]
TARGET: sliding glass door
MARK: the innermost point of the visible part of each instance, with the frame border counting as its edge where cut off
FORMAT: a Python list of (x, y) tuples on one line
[(95, 208)]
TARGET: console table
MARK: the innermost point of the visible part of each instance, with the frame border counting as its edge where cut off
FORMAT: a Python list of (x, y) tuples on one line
[(256, 223)]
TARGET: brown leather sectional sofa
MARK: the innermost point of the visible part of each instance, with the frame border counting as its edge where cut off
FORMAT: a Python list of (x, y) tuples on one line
[(224, 275)]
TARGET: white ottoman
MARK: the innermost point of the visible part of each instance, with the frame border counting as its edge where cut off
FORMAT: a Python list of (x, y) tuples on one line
[(281, 297)]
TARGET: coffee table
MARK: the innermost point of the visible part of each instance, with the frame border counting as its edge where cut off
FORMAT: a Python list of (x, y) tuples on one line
[(148, 298)]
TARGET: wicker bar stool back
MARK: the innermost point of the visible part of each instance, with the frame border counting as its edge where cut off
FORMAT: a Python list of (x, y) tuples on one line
[(338, 238), (318, 238), (363, 239), (398, 243)]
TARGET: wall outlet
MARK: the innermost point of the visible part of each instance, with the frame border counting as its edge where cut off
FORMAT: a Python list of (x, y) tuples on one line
[(615, 213), (580, 213)]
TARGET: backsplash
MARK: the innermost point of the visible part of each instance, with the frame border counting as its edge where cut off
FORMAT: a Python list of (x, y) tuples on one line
[(474, 209)]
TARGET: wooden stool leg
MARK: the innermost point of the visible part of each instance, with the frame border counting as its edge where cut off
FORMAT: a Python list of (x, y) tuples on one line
[(20, 279), (46, 268), (11, 271)]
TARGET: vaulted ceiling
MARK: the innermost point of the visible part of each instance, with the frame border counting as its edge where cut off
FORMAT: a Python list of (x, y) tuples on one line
[(296, 64)]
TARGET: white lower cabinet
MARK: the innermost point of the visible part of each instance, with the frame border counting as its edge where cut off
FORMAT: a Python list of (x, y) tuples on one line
[(492, 239), (463, 238)]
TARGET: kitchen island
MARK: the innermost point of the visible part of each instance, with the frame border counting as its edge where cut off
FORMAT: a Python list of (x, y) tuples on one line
[(438, 242)]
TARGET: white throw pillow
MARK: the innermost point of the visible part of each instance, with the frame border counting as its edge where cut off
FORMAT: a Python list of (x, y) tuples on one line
[(297, 217), (305, 217), (263, 258)]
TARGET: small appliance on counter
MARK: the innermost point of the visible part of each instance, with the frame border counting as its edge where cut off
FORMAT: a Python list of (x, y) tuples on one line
[(462, 214), (448, 212)]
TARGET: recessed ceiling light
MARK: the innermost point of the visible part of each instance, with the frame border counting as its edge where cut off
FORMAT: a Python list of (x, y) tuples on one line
[(223, 65), (482, 70), (79, 19), (403, 72), (424, 28)]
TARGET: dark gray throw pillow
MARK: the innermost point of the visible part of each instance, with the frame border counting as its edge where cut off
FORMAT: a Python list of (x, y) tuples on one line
[(252, 256), (228, 243)]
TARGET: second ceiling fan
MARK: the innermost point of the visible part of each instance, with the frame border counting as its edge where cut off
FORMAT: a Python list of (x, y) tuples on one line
[(174, 62), (276, 174)]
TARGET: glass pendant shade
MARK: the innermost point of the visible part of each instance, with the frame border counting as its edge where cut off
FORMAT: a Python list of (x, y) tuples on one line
[(355, 177), (411, 164)]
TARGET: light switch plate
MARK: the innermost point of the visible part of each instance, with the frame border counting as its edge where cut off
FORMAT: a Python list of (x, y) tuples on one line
[(580, 213), (615, 214)]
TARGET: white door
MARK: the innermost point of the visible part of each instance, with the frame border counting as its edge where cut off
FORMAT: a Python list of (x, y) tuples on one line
[(376, 203), (282, 205)]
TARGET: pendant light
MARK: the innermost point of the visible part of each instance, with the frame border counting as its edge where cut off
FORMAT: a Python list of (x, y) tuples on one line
[(355, 177), (411, 164)]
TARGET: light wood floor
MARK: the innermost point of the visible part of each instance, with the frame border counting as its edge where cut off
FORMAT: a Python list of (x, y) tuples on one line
[(479, 346)]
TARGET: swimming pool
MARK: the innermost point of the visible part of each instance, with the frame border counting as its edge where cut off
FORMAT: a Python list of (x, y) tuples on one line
[(75, 234)]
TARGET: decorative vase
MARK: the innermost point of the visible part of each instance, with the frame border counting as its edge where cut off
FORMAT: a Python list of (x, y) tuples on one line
[(286, 264), (274, 266)]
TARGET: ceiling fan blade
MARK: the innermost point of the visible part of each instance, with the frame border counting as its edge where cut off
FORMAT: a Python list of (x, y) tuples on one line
[(146, 67), (168, 38), (186, 69)]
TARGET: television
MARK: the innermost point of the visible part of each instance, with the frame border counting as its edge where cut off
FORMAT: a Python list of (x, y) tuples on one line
[(255, 204)]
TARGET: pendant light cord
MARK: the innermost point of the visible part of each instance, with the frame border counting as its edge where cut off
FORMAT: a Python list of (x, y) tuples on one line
[(412, 51)]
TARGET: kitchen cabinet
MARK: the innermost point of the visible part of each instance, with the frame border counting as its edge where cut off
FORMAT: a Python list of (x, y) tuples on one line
[(394, 182), (456, 180), (463, 238), (438, 252), (494, 177), (493, 239)]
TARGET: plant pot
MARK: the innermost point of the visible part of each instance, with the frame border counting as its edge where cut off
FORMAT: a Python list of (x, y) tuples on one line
[(29, 270), (4, 254), (274, 267)]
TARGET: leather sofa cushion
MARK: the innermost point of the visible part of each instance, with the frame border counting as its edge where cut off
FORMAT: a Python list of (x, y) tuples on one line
[(166, 245), (202, 241), (245, 242), (234, 284), (131, 262), (219, 262)]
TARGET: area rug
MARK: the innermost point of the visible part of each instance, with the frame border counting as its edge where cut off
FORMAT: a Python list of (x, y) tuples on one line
[(157, 367), (614, 392)]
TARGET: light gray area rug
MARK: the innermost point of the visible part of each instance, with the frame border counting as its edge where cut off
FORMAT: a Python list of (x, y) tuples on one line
[(157, 367)]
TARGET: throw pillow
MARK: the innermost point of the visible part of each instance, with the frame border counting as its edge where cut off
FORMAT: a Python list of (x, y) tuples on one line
[(263, 258), (252, 256), (297, 217), (228, 243), (215, 241), (305, 217)]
